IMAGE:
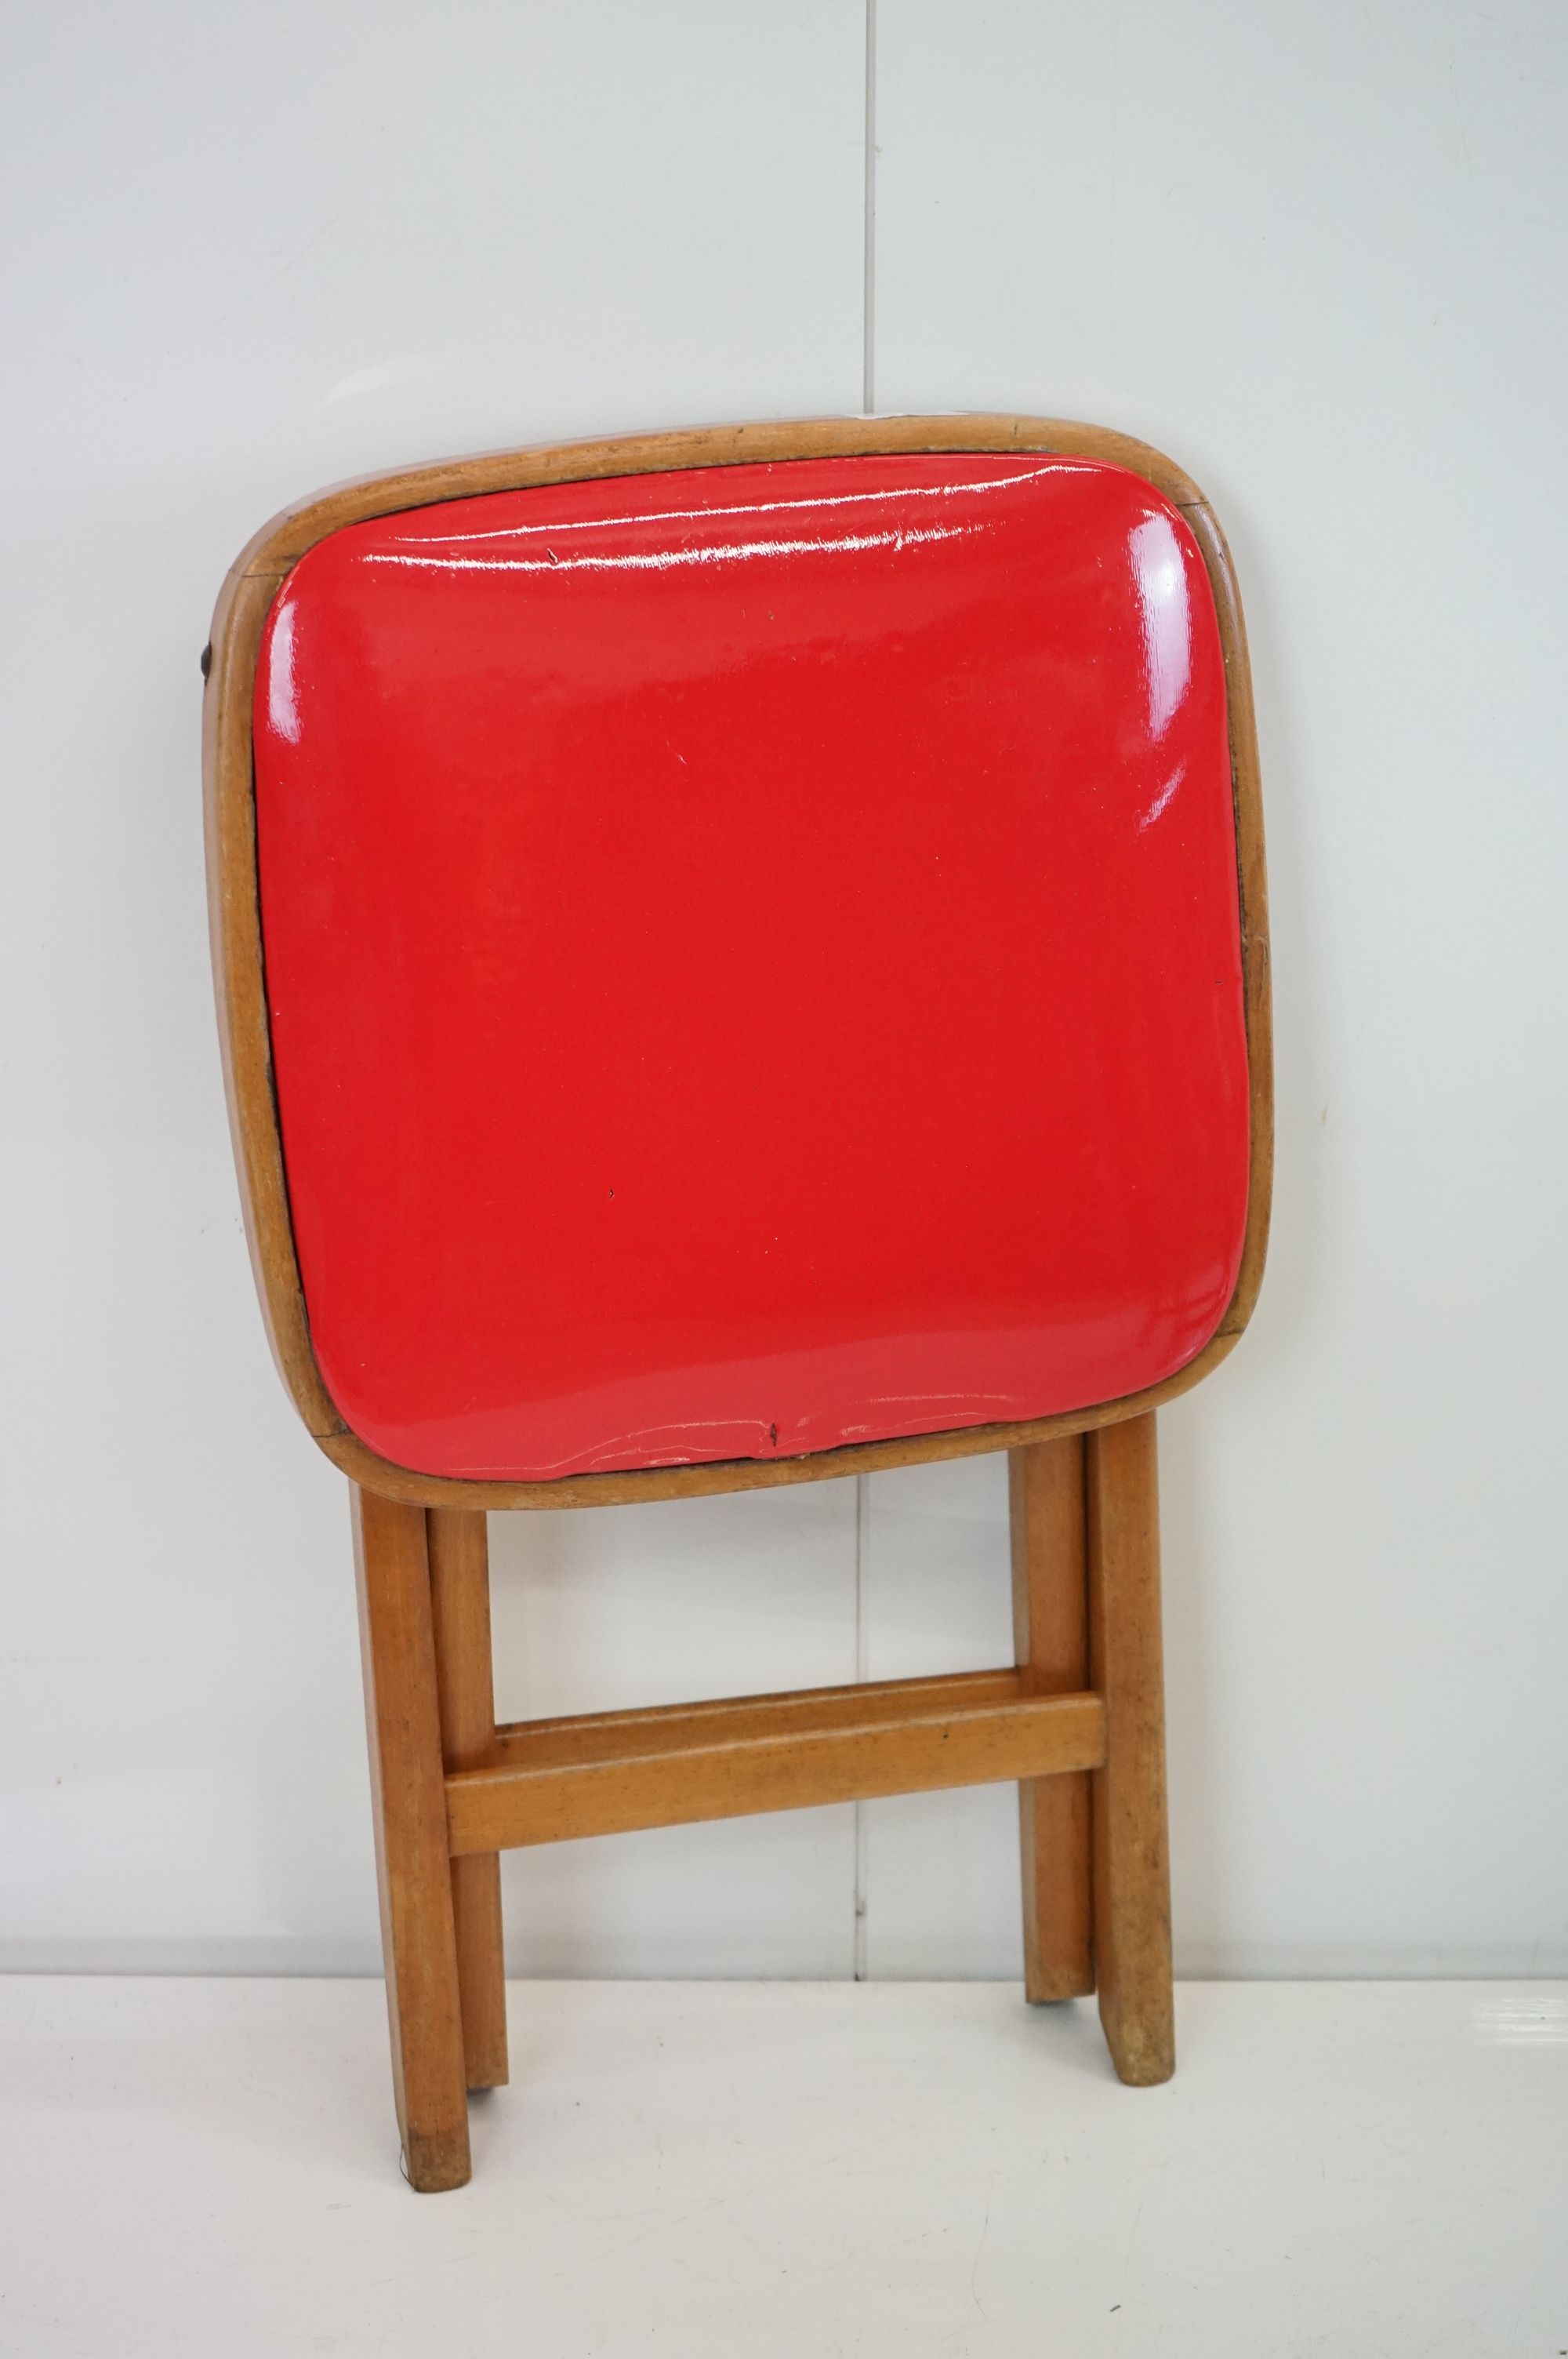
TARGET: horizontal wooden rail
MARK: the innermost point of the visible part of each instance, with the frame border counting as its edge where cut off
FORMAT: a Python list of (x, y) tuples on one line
[(608, 1772), (593, 1736)]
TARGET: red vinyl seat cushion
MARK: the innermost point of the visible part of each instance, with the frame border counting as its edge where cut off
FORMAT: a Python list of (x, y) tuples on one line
[(753, 957)]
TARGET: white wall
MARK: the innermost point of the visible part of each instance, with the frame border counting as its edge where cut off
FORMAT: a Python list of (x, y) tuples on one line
[(1316, 253)]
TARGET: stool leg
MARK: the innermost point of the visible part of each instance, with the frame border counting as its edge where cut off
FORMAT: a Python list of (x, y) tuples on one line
[(460, 1599), (1050, 1622), (412, 1862), (1131, 1860)]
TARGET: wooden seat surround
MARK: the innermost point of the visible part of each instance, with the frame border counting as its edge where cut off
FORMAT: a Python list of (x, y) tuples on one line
[(742, 958)]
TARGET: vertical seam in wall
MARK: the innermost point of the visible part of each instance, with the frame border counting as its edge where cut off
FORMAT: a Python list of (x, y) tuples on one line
[(862, 1481), (868, 224), (862, 1669)]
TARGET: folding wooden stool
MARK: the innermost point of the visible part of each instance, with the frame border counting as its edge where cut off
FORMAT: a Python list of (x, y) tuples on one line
[(742, 959)]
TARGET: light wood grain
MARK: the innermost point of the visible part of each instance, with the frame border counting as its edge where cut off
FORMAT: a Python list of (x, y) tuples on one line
[(282, 543), (1051, 1641), (1131, 1858), (245, 1039), (594, 1736), (412, 1863), (1252, 892), (460, 1602), (237, 948), (763, 1754)]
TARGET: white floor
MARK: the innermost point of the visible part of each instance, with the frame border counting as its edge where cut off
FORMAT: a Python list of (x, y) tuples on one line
[(757, 2168)]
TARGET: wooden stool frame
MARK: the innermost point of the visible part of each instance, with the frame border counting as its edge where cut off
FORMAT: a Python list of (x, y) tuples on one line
[(1078, 1721)]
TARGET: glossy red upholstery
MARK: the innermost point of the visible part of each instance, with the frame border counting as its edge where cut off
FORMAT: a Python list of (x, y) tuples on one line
[(753, 957)]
